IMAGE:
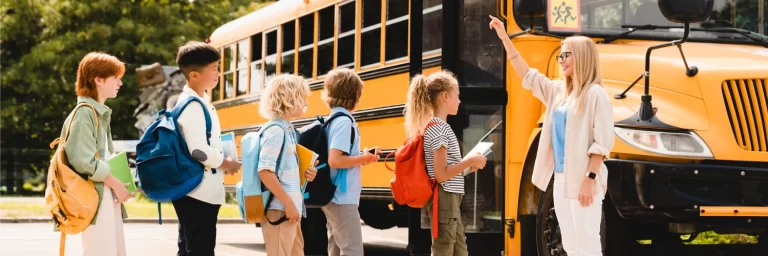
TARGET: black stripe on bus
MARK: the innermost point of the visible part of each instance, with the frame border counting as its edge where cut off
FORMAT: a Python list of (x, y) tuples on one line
[(317, 85), (362, 115)]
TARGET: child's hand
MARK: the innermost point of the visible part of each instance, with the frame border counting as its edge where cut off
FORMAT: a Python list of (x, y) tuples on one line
[(311, 172), (230, 166), (368, 157), (291, 213), (477, 161)]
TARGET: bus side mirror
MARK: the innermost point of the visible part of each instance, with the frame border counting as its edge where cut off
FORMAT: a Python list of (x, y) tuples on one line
[(690, 11), (526, 8)]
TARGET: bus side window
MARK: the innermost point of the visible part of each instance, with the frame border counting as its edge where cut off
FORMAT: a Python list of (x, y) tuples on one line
[(306, 45), (345, 57), (257, 78), (270, 61), (229, 70), (370, 38), (325, 41), (396, 46), (288, 51)]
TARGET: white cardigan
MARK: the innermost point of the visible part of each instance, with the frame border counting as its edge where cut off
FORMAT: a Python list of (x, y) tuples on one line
[(590, 132), (192, 123)]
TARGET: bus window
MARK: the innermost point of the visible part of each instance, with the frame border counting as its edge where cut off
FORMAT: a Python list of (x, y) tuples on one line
[(370, 38), (229, 70), (270, 61), (325, 41), (397, 30), (289, 43), (345, 57), (257, 78), (242, 66), (483, 205), (307, 45), (482, 56), (432, 33)]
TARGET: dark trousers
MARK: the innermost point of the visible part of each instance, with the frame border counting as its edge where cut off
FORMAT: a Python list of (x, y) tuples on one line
[(197, 226)]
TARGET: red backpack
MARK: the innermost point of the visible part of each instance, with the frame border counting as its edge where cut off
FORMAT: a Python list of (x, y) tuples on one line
[(411, 184)]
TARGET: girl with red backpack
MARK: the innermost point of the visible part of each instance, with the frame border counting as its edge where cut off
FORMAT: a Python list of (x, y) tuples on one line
[(430, 100)]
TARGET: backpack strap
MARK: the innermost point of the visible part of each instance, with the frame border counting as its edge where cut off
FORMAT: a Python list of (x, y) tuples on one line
[(208, 123), (176, 113), (430, 124), (341, 176), (277, 173)]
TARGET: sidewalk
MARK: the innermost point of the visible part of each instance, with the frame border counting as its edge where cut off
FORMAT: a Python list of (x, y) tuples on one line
[(43, 219)]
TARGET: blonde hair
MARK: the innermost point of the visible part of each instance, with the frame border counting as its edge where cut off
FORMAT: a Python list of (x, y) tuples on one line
[(282, 95), (422, 99), (586, 70), (342, 88)]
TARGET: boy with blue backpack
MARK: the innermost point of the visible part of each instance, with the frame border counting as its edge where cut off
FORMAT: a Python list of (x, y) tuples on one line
[(198, 211), (342, 91)]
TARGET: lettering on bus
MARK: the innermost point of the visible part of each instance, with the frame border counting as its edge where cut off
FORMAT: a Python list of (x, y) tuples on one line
[(564, 15)]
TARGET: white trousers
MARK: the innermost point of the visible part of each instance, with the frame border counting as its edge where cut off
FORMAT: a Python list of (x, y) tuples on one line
[(579, 226), (105, 237)]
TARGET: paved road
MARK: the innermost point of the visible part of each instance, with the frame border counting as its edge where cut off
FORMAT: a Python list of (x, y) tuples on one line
[(32, 239)]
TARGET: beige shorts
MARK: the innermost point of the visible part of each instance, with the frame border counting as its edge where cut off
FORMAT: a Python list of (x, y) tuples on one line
[(284, 239)]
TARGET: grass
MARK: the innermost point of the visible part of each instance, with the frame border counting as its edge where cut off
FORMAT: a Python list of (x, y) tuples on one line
[(136, 208)]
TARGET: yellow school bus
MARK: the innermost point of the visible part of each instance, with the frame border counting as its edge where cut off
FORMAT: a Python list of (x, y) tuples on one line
[(691, 137)]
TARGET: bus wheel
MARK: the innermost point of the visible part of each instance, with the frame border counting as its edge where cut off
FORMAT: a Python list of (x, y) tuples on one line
[(376, 214), (548, 238)]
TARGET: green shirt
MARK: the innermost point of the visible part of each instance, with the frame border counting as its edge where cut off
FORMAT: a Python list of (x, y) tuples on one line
[(83, 143)]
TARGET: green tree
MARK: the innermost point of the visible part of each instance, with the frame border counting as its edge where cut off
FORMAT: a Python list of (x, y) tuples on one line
[(42, 42)]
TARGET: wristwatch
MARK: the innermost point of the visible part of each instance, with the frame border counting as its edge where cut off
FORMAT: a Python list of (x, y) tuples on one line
[(591, 175)]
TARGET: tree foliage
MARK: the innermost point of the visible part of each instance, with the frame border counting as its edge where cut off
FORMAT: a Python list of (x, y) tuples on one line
[(42, 42)]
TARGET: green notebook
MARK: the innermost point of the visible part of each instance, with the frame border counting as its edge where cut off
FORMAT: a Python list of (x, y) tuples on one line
[(118, 166)]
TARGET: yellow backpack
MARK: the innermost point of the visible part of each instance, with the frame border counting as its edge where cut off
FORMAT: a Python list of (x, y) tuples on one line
[(71, 200)]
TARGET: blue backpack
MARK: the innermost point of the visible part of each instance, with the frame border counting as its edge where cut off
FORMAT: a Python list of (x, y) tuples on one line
[(165, 167), (253, 198)]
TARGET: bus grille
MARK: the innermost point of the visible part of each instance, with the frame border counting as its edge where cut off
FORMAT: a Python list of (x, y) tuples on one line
[(746, 101)]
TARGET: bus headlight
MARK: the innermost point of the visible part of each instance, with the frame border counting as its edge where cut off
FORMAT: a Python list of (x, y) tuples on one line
[(686, 144)]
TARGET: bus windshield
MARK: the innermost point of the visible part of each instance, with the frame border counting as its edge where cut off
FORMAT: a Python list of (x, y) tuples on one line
[(611, 17)]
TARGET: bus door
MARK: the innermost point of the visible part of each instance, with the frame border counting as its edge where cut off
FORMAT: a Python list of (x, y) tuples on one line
[(475, 55)]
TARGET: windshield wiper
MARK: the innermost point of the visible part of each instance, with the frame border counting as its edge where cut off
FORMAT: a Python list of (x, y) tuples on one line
[(743, 32), (634, 28)]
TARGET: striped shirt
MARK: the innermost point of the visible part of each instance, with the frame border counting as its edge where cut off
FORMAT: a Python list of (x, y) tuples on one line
[(441, 135), (271, 142)]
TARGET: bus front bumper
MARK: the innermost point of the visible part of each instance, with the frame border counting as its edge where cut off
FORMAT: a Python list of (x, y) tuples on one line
[(708, 194)]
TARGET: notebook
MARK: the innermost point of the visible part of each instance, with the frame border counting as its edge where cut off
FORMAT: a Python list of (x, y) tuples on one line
[(307, 158), (483, 147), (118, 167)]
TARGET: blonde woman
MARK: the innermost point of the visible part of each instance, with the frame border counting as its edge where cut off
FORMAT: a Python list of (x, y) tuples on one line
[(576, 137)]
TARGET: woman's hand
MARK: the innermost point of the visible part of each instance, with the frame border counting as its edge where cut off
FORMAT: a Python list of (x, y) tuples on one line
[(587, 193), (497, 25)]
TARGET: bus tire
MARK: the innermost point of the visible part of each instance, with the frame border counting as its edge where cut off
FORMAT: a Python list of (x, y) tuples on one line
[(376, 214), (614, 233)]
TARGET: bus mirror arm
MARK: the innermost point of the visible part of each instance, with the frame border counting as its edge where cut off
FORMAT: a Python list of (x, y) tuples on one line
[(646, 115)]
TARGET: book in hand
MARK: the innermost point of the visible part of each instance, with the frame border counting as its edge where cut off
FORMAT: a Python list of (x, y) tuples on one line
[(228, 145), (118, 167), (307, 159), (484, 148)]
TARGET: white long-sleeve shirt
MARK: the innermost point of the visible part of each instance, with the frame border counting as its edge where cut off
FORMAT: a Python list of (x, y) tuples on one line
[(192, 123)]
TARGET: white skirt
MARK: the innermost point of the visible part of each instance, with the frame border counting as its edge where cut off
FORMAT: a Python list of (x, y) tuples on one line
[(105, 237)]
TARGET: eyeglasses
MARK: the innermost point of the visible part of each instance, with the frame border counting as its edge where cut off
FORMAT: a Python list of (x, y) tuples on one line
[(563, 56)]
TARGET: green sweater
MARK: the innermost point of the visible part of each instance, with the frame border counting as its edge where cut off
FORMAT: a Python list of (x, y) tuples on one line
[(83, 143)]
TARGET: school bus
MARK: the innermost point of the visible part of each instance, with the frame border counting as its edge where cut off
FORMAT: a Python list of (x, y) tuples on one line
[(691, 139)]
